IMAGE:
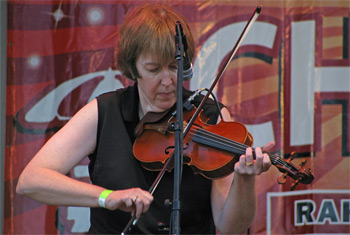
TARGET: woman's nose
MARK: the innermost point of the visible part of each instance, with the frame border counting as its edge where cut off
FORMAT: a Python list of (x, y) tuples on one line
[(167, 78)]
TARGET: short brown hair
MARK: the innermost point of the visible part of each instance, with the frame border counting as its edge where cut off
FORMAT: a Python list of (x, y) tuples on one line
[(149, 28)]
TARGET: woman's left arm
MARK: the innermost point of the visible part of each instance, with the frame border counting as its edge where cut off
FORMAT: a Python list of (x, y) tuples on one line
[(233, 197)]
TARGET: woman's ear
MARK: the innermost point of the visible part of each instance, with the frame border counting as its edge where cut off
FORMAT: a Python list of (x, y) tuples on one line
[(134, 72)]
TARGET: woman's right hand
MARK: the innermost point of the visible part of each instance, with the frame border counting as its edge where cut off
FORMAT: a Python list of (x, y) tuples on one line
[(133, 200)]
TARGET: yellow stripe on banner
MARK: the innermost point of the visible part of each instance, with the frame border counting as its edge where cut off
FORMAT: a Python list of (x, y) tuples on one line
[(332, 42), (332, 21), (247, 61), (340, 172), (252, 89), (331, 128)]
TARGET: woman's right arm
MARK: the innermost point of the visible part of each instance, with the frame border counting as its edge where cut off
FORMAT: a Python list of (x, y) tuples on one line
[(44, 178)]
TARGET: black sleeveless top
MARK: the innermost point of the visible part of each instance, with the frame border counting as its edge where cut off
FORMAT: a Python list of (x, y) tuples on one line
[(113, 166)]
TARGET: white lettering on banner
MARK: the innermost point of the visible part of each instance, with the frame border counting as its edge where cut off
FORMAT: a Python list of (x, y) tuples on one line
[(306, 79), (217, 46), (80, 215), (46, 109), (306, 211), (345, 211), (263, 133)]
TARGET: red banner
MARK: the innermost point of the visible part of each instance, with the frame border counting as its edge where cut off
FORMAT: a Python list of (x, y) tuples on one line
[(289, 83)]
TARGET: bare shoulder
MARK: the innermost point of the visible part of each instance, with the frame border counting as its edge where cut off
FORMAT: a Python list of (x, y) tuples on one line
[(72, 143), (225, 114)]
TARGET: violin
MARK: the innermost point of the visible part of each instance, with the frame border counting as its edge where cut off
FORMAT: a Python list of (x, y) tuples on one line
[(210, 150)]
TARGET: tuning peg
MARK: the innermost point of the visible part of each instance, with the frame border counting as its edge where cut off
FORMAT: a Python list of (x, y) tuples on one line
[(282, 179), (303, 163), (291, 157), (294, 185)]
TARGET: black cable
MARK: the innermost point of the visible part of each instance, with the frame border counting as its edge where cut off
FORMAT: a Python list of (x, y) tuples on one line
[(216, 102)]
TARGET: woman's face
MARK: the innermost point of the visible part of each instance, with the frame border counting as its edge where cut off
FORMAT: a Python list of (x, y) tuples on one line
[(156, 84)]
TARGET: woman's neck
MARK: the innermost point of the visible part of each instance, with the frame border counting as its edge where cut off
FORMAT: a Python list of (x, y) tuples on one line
[(141, 113)]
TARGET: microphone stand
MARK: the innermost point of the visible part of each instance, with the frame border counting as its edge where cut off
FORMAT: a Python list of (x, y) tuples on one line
[(178, 125)]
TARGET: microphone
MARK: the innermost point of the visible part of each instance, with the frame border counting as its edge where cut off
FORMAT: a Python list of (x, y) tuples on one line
[(187, 64), (188, 104), (188, 71)]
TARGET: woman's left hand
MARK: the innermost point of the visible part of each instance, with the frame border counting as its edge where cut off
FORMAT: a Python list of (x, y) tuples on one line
[(248, 166)]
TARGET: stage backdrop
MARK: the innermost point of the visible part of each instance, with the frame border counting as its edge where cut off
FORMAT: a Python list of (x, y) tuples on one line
[(289, 83)]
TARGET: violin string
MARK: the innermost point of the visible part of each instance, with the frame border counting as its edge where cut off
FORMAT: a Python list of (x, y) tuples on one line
[(219, 140), (230, 143), (236, 147)]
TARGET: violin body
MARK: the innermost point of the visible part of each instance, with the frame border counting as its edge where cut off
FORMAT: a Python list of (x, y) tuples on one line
[(210, 150), (206, 157)]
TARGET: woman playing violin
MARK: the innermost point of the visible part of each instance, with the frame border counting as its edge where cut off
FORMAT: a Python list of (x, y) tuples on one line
[(103, 130)]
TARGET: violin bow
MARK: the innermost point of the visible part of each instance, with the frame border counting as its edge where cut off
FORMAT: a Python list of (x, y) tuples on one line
[(223, 68)]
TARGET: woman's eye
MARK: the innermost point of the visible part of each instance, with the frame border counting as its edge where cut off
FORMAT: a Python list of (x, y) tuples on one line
[(153, 70), (173, 67)]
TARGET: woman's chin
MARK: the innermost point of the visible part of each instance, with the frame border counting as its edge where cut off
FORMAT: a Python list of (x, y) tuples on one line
[(163, 106)]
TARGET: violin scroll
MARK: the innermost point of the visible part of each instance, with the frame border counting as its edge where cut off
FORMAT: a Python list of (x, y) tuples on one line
[(300, 174)]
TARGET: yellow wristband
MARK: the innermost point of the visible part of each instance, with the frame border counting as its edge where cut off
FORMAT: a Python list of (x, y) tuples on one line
[(102, 198)]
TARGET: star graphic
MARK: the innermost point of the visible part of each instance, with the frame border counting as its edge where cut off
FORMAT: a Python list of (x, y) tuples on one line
[(58, 14)]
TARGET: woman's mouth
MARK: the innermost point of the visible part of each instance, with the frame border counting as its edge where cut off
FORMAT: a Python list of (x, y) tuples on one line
[(166, 95)]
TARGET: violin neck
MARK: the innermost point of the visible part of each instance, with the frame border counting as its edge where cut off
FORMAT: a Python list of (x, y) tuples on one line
[(222, 143)]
